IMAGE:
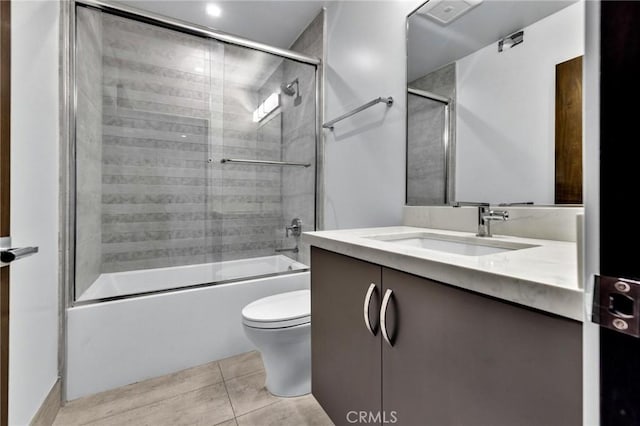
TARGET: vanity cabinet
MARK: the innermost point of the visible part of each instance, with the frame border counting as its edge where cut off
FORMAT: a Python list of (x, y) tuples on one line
[(455, 358), (345, 375)]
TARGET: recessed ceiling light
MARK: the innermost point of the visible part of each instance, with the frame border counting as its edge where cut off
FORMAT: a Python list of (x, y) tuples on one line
[(213, 10), (199, 69), (446, 11)]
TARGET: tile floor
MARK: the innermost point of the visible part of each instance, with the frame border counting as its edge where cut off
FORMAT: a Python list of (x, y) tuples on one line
[(226, 392)]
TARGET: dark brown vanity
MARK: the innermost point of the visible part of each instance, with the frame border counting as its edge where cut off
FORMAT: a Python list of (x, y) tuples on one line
[(455, 357)]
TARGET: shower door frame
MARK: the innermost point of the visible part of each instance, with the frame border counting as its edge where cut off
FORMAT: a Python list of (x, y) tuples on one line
[(447, 142), (69, 102)]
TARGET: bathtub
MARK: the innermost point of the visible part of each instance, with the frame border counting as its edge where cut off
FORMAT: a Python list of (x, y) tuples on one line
[(153, 322)]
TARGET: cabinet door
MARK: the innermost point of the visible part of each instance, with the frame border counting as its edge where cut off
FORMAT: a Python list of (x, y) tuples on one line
[(345, 356), (459, 358)]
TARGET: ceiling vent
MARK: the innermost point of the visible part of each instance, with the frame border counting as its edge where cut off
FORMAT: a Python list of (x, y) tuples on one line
[(446, 11)]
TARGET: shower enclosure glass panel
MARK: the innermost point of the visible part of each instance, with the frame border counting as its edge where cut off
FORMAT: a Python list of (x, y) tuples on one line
[(157, 111), (427, 127), (260, 200)]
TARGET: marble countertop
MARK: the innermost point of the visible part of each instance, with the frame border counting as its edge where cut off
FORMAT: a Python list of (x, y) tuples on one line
[(544, 277)]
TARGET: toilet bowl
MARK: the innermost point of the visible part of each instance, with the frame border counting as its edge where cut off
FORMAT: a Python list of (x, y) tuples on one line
[(280, 327)]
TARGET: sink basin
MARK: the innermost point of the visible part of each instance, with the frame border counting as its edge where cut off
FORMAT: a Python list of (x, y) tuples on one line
[(467, 246)]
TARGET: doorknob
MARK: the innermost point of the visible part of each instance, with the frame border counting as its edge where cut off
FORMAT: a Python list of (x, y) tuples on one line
[(8, 254)]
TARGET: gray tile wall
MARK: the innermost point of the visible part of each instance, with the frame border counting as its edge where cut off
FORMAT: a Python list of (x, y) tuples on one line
[(425, 147), (252, 205), (89, 148), (162, 110), (171, 106), (299, 137)]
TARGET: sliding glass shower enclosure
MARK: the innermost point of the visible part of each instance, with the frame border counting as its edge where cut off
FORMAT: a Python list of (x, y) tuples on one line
[(190, 149)]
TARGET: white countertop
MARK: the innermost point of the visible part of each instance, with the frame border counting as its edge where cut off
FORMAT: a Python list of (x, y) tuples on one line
[(543, 277)]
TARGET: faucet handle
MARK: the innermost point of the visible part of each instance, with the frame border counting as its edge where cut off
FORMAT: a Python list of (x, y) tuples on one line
[(295, 228), (496, 215)]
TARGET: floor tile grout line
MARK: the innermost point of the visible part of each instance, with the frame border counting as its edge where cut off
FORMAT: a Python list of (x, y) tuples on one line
[(224, 383), (243, 375), (279, 400)]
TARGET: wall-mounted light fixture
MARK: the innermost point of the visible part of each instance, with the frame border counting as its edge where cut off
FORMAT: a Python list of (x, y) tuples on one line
[(512, 40), (267, 107)]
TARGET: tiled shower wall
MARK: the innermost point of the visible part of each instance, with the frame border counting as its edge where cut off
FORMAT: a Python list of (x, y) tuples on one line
[(298, 138), (425, 144), (173, 106), (162, 109), (251, 195), (89, 153)]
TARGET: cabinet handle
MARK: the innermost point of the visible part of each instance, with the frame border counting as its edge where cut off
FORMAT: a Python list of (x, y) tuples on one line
[(367, 302), (383, 316)]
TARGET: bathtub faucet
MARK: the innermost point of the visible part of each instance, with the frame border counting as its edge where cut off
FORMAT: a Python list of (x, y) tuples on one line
[(292, 250)]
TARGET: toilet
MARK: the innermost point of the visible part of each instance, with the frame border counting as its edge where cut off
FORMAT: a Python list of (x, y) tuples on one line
[(280, 327)]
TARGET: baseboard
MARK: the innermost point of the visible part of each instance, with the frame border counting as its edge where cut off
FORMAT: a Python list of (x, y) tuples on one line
[(49, 408)]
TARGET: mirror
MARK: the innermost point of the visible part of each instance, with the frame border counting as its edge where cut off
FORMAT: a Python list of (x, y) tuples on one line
[(494, 102)]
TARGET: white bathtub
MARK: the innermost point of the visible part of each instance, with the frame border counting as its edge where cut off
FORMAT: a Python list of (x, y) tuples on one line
[(118, 284), (117, 342)]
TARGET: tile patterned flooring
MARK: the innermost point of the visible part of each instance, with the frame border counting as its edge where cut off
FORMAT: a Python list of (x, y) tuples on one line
[(229, 392)]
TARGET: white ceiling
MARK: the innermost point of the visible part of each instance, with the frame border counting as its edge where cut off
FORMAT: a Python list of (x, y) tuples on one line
[(432, 45), (274, 22)]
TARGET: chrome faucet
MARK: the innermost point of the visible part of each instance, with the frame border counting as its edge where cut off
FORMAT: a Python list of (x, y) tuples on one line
[(295, 228), (485, 216)]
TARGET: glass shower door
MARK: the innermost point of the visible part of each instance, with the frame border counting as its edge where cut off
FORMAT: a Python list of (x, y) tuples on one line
[(270, 118), (143, 129)]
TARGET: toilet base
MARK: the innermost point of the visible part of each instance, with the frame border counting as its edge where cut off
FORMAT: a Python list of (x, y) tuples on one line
[(286, 353)]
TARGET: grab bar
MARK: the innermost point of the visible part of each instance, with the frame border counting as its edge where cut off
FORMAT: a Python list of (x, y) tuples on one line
[(388, 101), (269, 163)]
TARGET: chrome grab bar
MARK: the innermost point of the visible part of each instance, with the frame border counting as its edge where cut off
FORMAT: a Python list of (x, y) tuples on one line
[(383, 316), (269, 163), (329, 124), (367, 302)]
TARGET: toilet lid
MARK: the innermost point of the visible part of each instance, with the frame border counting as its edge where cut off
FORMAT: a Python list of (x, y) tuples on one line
[(279, 311)]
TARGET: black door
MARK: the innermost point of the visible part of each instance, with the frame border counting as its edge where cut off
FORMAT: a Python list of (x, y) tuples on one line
[(5, 146), (619, 193)]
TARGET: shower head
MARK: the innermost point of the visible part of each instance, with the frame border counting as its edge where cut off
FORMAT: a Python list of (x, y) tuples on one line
[(289, 89)]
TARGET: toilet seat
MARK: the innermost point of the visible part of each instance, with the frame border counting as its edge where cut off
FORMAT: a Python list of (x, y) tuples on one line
[(279, 311)]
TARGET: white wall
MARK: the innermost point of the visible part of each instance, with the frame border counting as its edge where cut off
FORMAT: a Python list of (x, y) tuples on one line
[(365, 155), (33, 353), (365, 169), (506, 113), (591, 156)]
